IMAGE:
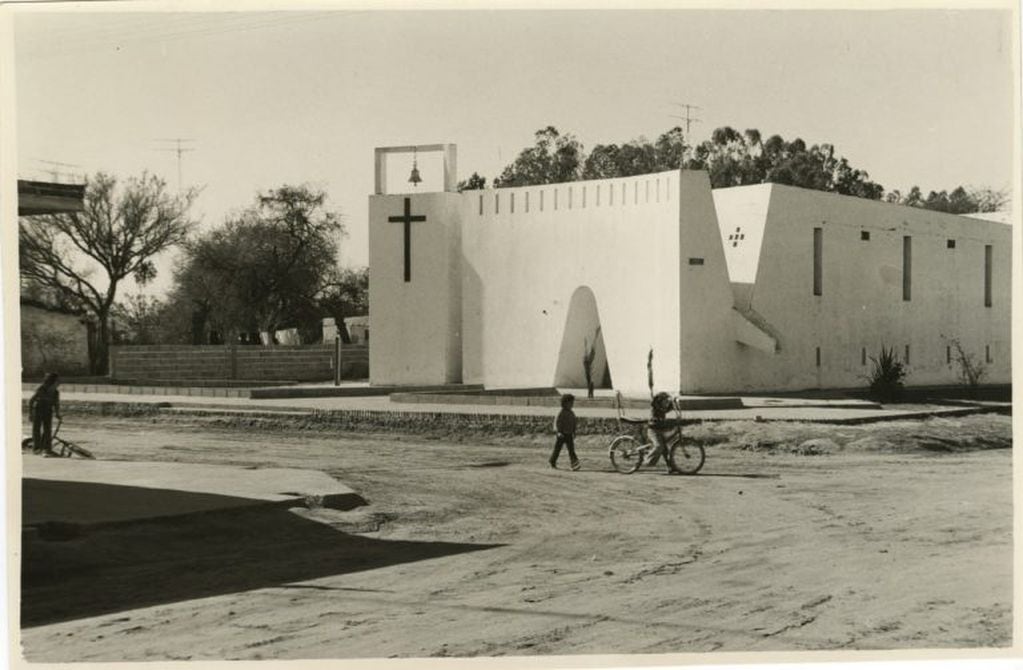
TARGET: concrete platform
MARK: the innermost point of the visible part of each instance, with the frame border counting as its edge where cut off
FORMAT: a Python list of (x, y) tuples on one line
[(90, 492)]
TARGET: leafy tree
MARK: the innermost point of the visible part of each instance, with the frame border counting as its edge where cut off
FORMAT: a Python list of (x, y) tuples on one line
[(731, 158), (989, 200), (83, 257), (264, 269), (960, 200), (138, 319), (346, 294), (637, 157), (475, 182), (555, 158)]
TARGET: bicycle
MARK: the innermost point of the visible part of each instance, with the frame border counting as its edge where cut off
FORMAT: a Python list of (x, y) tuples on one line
[(630, 450), (59, 446)]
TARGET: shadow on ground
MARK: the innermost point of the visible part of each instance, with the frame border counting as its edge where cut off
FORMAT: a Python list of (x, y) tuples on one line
[(72, 571)]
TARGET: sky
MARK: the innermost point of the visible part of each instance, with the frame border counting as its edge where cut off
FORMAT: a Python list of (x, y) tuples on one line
[(267, 98)]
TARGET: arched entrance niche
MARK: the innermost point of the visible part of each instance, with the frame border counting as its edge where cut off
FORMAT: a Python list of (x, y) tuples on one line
[(582, 331)]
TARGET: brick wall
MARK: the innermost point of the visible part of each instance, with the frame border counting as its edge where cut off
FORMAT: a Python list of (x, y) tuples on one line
[(281, 363)]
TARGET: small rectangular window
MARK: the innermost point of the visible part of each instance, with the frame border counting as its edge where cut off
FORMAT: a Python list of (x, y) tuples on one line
[(987, 274), (647, 188), (555, 199), (950, 244), (864, 235), (497, 204), (610, 194), (584, 197), (907, 267), (481, 205), (527, 202), (696, 261), (598, 195), (818, 356), (818, 260), (987, 353), (511, 205), (635, 193), (948, 354), (623, 194), (657, 184), (906, 358), (863, 356), (570, 197), (541, 201)]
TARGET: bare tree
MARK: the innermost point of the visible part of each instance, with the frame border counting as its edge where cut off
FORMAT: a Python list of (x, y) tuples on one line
[(83, 257)]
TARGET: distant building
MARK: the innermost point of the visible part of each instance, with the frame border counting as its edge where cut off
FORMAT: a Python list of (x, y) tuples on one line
[(753, 288), (358, 329)]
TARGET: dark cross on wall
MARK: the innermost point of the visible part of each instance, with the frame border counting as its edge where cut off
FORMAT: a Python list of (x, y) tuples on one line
[(738, 235), (407, 219)]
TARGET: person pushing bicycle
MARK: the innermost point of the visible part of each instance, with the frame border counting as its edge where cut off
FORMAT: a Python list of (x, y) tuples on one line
[(658, 426), (45, 402)]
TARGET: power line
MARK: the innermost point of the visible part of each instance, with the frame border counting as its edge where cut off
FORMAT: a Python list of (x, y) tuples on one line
[(179, 149)]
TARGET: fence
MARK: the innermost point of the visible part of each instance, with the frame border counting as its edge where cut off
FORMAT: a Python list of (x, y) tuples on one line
[(251, 363)]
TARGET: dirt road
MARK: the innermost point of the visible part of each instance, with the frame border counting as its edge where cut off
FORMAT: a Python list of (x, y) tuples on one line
[(471, 549)]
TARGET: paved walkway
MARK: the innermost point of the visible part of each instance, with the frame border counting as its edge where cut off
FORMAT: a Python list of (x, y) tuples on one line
[(82, 491), (754, 408)]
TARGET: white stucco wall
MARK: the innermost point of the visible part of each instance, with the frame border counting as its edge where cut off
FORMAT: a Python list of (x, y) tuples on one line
[(862, 304), (649, 259), (521, 269), (705, 307), (416, 324)]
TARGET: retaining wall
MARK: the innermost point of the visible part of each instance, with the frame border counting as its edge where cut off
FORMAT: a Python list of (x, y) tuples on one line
[(280, 363)]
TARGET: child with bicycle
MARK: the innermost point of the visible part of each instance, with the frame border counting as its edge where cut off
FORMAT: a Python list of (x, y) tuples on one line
[(658, 426), (45, 402), (564, 426)]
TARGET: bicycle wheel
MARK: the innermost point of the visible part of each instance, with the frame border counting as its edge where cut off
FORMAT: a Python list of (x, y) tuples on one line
[(686, 457), (626, 454), (70, 449)]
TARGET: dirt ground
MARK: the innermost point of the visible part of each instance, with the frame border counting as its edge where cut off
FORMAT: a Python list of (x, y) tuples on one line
[(890, 536)]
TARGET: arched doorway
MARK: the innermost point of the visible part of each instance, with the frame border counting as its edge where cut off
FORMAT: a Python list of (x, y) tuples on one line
[(582, 336)]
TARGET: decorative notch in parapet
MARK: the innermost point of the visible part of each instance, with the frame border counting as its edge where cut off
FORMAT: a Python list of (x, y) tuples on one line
[(737, 237), (450, 164)]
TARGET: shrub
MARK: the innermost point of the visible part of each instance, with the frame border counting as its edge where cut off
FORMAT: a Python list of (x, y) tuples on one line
[(886, 376), (971, 371)]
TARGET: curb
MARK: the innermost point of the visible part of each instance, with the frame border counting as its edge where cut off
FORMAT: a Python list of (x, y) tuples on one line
[(417, 421)]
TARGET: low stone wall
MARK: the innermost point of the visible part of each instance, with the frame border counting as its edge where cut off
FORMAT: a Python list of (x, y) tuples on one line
[(279, 363)]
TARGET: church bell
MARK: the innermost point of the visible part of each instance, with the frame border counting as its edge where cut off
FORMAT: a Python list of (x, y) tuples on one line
[(414, 178)]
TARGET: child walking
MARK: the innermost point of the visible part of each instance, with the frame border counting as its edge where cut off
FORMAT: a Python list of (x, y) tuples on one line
[(565, 427)]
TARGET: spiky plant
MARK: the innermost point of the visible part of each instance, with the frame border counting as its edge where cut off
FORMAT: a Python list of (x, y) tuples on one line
[(887, 376)]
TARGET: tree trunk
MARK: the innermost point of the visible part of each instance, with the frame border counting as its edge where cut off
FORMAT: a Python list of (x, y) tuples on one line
[(100, 360)]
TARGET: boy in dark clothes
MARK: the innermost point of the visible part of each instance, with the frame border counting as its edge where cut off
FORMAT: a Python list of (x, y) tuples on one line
[(45, 402), (658, 428), (565, 427)]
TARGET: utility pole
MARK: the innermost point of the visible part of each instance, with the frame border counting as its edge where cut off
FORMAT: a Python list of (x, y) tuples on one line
[(179, 149), (688, 118)]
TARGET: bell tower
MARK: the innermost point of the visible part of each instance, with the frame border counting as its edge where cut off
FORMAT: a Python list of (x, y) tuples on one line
[(415, 291)]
